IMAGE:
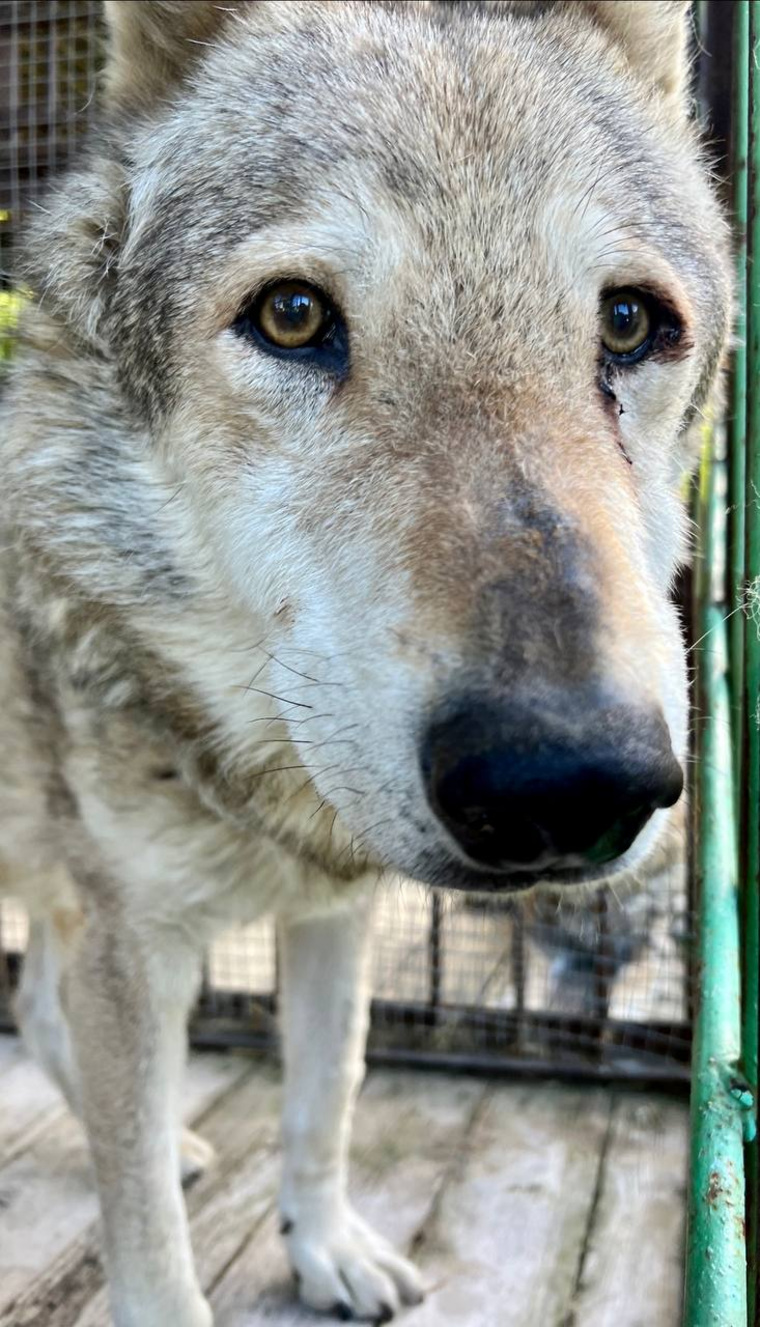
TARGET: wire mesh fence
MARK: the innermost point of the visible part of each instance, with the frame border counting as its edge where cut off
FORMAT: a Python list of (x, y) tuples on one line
[(595, 984), (48, 63)]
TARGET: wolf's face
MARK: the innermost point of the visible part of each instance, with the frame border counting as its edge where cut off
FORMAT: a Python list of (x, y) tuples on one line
[(419, 304)]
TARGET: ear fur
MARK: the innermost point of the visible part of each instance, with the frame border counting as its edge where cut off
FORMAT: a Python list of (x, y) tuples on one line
[(154, 45), (654, 35)]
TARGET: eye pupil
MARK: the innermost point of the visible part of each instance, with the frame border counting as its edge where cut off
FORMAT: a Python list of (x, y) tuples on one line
[(623, 316), (291, 316), (292, 310), (626, 326)]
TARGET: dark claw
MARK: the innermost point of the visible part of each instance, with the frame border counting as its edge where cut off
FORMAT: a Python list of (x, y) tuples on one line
[(343, 1311), (286, 1225), (386, 1313)]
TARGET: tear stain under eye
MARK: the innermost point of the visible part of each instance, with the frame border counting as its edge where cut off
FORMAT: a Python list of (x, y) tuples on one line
[(612, 398), (621, 445)]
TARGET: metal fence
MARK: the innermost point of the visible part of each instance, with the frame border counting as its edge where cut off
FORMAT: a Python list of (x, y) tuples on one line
[(48, 60), (596, 985), (723, 1256)]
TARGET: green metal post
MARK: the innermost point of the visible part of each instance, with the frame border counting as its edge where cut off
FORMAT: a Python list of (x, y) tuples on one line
[(726, 791), (716, 1281), (738, 412), (749, 306)]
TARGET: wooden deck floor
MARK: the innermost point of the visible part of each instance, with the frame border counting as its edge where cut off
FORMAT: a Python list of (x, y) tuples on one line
[(523, 1203)]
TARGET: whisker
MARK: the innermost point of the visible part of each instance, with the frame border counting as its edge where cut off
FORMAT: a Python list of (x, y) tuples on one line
[(309, 718), (739, 608), (280, 664), (282, 700), (273, 718)]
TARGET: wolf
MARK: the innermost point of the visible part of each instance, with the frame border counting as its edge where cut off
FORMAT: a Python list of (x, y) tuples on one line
[(341, 505)]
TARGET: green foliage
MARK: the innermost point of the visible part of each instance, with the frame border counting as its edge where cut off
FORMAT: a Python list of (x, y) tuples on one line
[(11, 304)]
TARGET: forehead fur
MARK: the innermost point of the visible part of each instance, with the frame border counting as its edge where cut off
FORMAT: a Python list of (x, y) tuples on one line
[(402, 88), (507, 138)]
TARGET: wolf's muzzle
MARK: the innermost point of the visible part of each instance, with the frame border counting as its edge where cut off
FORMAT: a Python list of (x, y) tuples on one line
[(524, 786)]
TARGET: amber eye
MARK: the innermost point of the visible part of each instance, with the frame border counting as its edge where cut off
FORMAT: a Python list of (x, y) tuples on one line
[(297, 323), (626, 325), (291, 315)]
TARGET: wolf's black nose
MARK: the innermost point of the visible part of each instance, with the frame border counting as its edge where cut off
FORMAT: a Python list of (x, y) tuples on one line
[(527, 787)]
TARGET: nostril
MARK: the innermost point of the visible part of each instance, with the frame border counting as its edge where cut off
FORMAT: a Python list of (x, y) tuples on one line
[(520, 789), (468, 796)]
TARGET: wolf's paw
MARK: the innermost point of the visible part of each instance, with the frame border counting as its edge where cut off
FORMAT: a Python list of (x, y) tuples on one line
[(195, 1156), (343, 1267)]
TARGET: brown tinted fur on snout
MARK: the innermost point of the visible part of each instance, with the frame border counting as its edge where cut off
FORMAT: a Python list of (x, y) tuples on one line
[(235, 587)]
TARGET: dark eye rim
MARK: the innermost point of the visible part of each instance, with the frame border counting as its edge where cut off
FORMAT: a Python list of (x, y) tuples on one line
[(665, 328), (328, 348)]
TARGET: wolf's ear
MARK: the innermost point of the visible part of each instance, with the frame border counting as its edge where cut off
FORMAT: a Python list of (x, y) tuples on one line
[(154, 44), (654, 35)]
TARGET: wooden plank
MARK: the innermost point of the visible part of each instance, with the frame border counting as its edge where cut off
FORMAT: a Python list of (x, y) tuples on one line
[(408, 1127), (30, 1103), (227, 1204), (46, 1197), (511, 1197), (633, 1270), (48, 1205), (504, 1242)]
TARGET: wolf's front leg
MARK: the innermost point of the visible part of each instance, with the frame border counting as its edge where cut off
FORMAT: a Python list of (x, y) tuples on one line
[(339, 1261), (128, 997)]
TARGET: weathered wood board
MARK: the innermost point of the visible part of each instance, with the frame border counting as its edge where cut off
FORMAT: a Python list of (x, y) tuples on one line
[(522, 1203)]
